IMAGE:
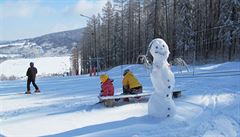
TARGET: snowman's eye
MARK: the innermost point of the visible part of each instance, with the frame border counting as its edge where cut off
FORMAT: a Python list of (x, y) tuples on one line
[(156, 47), (163, 46)]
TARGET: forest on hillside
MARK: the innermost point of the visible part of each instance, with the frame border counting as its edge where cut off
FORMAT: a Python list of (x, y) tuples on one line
[(198, 31)]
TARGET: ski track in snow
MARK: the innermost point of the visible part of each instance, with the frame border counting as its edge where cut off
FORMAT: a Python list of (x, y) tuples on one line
[(210, 120), (44, 106), (202, 110)]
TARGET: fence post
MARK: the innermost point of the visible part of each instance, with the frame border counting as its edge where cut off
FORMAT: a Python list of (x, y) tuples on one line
[(94, 71), (90, 71)]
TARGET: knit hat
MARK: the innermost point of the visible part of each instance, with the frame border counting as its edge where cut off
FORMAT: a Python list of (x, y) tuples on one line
[(103, 78)]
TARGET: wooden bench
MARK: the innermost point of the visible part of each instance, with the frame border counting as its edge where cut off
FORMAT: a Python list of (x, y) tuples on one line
[(109, 101)]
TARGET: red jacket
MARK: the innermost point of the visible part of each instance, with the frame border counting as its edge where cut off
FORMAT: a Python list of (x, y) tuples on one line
[(107, 88)]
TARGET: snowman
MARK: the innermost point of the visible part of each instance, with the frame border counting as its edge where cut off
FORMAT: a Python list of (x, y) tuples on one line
[(161, 104)]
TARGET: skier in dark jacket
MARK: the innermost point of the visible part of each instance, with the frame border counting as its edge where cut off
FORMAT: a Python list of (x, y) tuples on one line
[(31, 73)]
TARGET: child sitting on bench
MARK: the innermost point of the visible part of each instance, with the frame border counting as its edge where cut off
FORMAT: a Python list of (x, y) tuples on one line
[(130, 84), (107, 88)]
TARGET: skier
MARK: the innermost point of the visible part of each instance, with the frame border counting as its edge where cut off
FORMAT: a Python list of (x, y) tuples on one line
[(130, 84), (107, 88), (31, 73)]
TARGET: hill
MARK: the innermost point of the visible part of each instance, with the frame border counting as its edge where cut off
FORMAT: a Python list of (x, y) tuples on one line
[(54, 44), (47, 66)]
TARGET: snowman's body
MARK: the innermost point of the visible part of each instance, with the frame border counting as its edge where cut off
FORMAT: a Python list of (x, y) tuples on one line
[(161, 104)]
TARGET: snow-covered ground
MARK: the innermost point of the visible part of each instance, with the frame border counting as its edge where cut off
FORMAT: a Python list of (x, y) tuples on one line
[(12, 44), (9, 55), (209, 106), (46, 66), (26, 48)]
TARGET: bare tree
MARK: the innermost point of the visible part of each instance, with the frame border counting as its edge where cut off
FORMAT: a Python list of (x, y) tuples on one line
[(75, 61)]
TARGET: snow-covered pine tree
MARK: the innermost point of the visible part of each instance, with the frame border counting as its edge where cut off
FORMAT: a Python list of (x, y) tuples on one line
[(230, 17), (108, 28), (184, 28), (74, 61)]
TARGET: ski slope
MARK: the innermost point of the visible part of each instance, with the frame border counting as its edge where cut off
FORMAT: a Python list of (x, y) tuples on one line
[(209, 106), (46, 66)]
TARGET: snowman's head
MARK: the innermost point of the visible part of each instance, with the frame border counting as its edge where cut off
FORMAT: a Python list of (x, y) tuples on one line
[(159, 49)]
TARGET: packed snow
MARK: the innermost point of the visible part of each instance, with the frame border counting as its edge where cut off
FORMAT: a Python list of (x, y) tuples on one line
[(209, 106), (46, 66)]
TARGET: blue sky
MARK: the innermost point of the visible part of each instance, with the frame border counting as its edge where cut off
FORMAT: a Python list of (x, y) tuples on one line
[(30, 18)]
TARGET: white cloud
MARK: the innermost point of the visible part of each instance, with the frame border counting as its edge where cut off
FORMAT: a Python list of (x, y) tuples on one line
[(64, 27), (90, 7), (52, 16), (86, 7), (16, 9), (47, 11), (24, 9)]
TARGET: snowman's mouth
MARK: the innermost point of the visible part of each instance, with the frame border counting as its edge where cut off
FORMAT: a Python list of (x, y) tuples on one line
[(160, 53)]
